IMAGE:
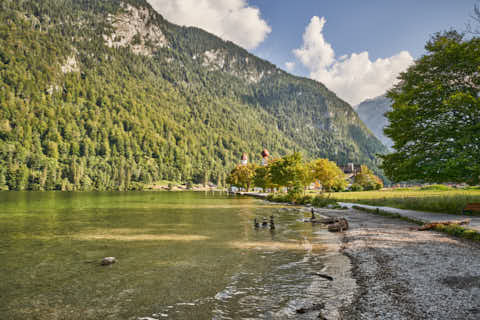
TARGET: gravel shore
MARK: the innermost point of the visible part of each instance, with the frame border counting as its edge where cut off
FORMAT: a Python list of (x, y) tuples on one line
[(401, 273)]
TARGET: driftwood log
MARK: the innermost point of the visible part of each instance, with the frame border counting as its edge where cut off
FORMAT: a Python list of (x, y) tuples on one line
[(327, 221), (339, 225), (322, 275), (334, 224), (433, 225)]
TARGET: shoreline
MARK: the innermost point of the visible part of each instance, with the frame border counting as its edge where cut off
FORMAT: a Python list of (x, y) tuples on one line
[(402, 273)]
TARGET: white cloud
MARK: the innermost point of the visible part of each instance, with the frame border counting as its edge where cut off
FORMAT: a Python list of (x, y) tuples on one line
[(354, 77), (232, 20), (290, 66)]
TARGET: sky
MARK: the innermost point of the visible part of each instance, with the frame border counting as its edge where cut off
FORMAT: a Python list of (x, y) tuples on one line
[(356, 48)]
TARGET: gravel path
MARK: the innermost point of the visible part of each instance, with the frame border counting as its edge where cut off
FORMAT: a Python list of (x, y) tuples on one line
[(407, 274), (426, 217)]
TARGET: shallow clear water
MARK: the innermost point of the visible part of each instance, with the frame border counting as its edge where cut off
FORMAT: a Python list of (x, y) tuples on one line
[(180, 256)]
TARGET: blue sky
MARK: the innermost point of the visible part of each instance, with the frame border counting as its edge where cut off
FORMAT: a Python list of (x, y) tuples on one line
[(383, 28), (356, 48)]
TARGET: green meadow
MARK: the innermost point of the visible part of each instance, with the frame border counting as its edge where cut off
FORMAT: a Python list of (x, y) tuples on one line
[(433, 198)]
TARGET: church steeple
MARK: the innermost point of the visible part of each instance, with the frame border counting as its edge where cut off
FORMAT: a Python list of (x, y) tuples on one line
[(244, 160)]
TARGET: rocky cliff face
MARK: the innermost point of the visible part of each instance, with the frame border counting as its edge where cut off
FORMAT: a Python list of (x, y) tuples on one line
[(132, 27)]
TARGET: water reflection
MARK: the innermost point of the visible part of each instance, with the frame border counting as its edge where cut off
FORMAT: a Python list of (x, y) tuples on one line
[(180, 256)]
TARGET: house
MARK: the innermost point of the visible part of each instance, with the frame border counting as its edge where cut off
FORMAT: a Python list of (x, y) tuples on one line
[(351, 170)]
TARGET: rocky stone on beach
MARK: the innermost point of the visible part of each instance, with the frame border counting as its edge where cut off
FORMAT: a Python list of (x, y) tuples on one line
[(314, 307), (108, 261)]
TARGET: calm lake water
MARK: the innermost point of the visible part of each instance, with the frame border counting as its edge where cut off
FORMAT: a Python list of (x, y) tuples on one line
[(180, 256)]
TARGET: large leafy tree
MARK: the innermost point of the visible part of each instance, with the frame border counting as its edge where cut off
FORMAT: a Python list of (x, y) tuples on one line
[(242, 176), (262, 178), (328, 174), (290, 171), (435, 121), (368, 180)]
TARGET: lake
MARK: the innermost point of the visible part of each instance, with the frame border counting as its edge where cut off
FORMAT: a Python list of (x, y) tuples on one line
[(185, 255)]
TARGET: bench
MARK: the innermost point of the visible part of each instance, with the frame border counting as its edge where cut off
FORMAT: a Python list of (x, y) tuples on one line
[(471, 208)]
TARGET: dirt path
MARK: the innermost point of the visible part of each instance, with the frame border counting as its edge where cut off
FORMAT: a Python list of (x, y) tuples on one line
[(426, 217), (405, 274)]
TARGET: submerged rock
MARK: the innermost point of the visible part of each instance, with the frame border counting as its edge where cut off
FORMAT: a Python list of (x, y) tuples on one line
[(108, 261)]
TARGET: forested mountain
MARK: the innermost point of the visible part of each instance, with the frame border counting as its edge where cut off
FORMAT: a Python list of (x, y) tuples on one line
[(372, 112), (108, 95)]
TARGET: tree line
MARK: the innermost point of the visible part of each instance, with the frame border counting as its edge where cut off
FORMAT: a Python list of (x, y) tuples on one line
[(294, 174)]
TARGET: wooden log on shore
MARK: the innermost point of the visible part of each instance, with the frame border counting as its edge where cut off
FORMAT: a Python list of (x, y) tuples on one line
[(339, 226), (433, 225), (327, 221)]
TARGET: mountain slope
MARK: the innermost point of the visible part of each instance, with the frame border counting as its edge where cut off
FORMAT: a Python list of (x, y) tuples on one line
[(101, 95), (372, 112)]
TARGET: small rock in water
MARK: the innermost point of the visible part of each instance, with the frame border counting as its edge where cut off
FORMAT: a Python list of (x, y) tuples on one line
[(108, 261)]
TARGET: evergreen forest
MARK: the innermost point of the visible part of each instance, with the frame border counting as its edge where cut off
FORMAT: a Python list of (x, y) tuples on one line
[(108, 95)]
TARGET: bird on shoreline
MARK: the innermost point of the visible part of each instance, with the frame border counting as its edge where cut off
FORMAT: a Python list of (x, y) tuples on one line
[(264, 222), (272, 223)]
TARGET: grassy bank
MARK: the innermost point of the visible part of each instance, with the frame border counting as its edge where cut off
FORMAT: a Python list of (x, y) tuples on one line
[(453, 230), (319, 200), (437, 200)]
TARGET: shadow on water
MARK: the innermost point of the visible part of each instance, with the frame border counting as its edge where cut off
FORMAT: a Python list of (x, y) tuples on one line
[(180, 256)]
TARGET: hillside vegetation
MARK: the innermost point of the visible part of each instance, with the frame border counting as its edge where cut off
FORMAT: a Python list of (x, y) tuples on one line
[(108, 95)]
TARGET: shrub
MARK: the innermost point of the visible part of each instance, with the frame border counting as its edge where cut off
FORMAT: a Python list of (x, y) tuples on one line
[(436, 187), (295, 192), (356, 187), (304, 200), (322, 201), (278, 198)]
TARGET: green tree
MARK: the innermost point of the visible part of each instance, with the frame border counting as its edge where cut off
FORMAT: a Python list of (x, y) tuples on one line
[(22, 178), (329, 175), (367, 180), (262, 177), (435, 121), (52, 149), (242, 176), (290, 171), (3, 179)]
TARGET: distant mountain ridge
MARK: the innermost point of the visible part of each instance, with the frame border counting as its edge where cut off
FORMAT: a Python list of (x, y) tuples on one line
[(102, 95), (372, 112)]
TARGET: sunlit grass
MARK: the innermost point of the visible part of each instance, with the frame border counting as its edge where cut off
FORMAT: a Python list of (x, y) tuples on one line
[(449, 201)]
